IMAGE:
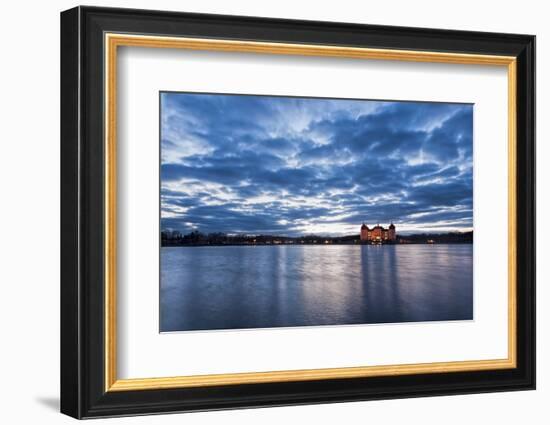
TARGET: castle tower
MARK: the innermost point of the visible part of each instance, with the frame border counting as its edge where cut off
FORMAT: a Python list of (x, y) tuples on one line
[(391, 232), (364, 232)]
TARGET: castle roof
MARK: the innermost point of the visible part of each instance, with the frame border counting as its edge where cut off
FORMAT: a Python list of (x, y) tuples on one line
[(391, 226)]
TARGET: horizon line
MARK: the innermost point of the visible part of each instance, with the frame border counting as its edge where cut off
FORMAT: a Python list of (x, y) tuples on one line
[(406, 233)]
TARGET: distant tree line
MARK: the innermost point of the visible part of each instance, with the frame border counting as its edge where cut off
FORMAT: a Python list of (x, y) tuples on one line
[(196, 238), (451, 237)]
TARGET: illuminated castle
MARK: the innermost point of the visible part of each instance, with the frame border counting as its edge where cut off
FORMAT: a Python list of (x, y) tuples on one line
[(377, 233)]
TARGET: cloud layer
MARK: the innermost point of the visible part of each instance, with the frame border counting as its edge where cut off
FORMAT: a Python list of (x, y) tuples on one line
[(292, 166)]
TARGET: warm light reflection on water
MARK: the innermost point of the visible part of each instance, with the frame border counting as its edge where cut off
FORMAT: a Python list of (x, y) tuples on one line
[(271, 286)]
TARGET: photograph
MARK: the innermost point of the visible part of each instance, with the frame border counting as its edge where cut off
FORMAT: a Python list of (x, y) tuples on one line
[(285, 211)]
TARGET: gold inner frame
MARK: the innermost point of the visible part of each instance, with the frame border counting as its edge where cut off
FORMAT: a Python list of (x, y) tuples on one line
[(113, 41)]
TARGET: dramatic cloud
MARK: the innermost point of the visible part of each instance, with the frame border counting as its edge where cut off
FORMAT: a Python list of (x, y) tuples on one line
[(280, 165)]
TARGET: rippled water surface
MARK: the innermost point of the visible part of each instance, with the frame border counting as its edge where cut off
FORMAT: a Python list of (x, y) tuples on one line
[(237, 287)]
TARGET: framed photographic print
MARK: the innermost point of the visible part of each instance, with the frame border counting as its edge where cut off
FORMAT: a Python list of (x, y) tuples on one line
[(261, 212)]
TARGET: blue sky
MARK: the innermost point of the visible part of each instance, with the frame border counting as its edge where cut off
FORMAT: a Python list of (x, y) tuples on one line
[(292, 166)]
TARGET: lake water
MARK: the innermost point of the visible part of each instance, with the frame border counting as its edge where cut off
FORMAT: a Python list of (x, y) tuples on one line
[(238, 287)]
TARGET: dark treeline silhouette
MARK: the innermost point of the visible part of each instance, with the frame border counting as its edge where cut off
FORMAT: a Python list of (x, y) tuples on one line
[(196, 238), (451, 237)]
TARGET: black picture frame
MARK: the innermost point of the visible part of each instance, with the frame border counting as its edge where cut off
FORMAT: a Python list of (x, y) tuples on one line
[(83, 392)]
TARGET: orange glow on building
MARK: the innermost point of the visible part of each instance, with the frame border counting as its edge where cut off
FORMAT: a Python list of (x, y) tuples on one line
[(378, 233)]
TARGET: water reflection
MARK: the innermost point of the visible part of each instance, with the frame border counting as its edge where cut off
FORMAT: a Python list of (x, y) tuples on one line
[(273, 286)]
